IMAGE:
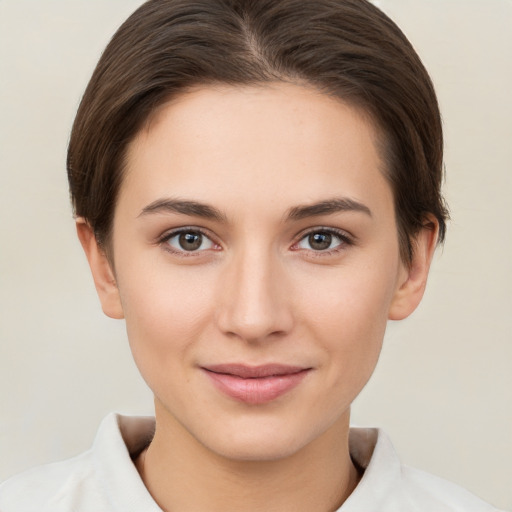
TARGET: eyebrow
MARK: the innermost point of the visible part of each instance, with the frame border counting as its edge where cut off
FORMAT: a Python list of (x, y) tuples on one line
[(193, 208), (327, 207), (196, 209)]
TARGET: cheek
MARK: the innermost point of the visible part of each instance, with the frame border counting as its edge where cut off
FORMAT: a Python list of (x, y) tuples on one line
[(166, 310), (351, 302), (348, 316)]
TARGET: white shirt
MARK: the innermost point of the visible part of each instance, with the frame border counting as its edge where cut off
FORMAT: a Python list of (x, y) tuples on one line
[(104, 479)]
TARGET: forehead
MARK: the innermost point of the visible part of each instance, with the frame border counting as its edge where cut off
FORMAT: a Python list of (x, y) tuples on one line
[(271, 143)]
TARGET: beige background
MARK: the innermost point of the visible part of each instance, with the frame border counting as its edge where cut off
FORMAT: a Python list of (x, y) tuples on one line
[(443, 387)]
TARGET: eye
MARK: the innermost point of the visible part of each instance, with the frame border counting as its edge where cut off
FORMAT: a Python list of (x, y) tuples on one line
[(323, 240), (189, 240)]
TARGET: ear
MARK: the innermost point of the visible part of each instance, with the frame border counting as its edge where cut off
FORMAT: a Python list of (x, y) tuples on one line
[(413, 278), (102, 273)]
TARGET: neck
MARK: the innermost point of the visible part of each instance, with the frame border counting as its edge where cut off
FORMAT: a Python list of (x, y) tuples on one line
[(183, 475)]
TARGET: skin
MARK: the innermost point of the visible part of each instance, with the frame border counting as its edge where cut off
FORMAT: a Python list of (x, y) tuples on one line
[(257, 291)]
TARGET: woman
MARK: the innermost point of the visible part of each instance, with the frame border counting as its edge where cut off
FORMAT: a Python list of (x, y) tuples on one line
[(257, 191)]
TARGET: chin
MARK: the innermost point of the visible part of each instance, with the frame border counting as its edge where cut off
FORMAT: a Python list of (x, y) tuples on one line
[(262, 441), (257, 449)]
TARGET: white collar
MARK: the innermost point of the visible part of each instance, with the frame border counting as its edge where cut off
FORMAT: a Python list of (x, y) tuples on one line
[(124, 437)]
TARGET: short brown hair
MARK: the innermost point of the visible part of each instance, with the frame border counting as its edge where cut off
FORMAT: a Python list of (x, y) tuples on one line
[(345, 48)]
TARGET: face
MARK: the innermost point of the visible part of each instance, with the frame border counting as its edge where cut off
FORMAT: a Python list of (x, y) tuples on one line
[(256, 264)]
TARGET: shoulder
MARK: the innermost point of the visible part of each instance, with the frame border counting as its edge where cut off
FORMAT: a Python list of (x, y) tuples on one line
[(389, 486), (101, 479), (52, 487), (430, 492)]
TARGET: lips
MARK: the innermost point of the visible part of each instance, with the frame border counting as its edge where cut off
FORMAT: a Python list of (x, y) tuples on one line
[(255, 384)]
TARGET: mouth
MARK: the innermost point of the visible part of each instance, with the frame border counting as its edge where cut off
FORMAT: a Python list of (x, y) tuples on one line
[(255, 384)]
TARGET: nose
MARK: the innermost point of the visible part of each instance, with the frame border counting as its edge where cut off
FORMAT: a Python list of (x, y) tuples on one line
[(255, 301)]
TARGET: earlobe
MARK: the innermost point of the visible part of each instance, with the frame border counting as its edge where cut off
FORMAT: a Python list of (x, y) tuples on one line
[(102, 273), (413, 278)]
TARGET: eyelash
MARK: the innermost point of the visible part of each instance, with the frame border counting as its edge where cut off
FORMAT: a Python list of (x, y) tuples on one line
[(164, 239), (345, 240)]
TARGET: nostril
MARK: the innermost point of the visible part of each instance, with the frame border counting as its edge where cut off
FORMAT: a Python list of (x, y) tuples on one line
[(261, 324)]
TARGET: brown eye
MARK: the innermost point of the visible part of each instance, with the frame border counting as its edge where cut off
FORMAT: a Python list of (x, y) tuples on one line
[(320, 241), (189, 241), (324, 240)]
